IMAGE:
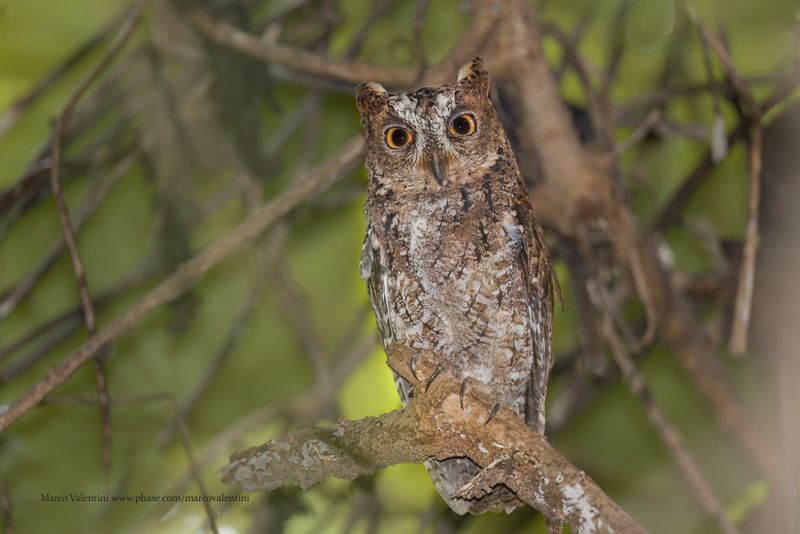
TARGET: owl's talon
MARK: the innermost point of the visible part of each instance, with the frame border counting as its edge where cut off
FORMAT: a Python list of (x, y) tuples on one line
[(414, 368), (495, 409), (461, 393), (433, 376)]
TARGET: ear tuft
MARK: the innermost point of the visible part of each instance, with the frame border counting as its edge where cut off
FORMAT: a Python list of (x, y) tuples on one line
[(474, 65), (473, 74), (370, 95)]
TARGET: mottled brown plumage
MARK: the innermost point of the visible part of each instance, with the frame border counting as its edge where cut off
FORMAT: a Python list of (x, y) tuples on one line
[(454, 258)]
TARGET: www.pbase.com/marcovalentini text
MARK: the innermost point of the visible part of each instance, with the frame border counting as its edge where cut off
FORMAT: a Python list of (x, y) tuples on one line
[(141, 498)]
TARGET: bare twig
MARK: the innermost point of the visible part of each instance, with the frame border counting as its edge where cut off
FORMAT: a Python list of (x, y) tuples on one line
[(744, 292), (291, 301), (599, 109), (70, 320), (434, 425), (645, 127), (485, 16), (69, 230), (186, 441), (702, 170), (12, 298), (753, 114), (750, 106), (670, 436), (238, 328), (308, 407), (318, 180), (18, 108), (575, 38), (300, 60), (663, 95), (616, 47), (379, 9)]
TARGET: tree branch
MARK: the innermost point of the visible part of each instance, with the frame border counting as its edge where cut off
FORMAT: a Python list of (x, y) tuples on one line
[(318, 179), (298, 59), (434, 425)]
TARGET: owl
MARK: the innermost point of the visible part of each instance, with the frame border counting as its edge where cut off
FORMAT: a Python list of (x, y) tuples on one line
[(454, 258)]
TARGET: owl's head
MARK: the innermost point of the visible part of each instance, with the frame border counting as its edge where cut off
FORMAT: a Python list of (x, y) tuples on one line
[(433, 137)]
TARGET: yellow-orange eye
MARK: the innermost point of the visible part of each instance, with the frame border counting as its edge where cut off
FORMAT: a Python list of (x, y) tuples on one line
[(462, 125), (398, 137)]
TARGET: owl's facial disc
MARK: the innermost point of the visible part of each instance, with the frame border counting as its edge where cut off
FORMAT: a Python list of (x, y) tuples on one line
[(432, 136)]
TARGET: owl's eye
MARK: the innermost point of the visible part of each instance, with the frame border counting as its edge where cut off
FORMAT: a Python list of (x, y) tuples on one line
[(398, 137), (462, 125)]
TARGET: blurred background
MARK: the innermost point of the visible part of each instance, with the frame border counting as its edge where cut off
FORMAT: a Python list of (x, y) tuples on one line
[(184, 134)]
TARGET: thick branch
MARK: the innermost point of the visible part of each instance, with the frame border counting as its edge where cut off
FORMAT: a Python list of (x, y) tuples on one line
[(437, 424), (576, 195)]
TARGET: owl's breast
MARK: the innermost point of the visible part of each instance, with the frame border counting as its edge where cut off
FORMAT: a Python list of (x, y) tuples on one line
[(457, 290)]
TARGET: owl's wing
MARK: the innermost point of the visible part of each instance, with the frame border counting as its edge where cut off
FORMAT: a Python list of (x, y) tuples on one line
[(538, 281), (374, 273)]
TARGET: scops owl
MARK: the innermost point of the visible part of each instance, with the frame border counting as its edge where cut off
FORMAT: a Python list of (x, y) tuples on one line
[(454, 258)]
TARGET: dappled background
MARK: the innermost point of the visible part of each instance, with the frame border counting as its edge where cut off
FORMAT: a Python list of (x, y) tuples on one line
[(203, 121)]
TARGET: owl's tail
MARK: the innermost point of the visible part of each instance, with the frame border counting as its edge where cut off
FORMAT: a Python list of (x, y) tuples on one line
[(449, 476)]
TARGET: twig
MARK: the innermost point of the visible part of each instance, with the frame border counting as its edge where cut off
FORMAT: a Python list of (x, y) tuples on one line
[(599, 108), (15, 296), (575, 38), (17, 367), (718, 147), (484, 20), (420, 11), (744, 291), (69, 230), (307, 407), (297, 59), (702, 170), (71, 319), (317, 181), (379, 9), (238, 327), (576, 195), (753, 114), (616, 47), (750, 106), (186, 441), (645, 127), (433, 425), (19, 107), (288, 297), (668, 433)]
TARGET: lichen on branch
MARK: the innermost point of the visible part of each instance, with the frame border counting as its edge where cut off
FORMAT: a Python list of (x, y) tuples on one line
[(437, 423)]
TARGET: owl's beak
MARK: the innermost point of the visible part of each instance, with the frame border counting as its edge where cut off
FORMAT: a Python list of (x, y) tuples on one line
[(437, 164)]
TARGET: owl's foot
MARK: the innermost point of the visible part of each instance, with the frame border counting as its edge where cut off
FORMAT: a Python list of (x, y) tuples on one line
[(463, 390), (493, 412), (414, 367), (439, 369)]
